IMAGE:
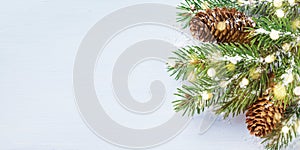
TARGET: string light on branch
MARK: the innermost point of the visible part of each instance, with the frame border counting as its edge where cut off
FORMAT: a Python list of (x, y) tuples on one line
[(244, 83), (206, 95), (270, 58), (286, 46), (297, 91), (279, 91), (279, 13), (274, 35), (211, 72), (285, 129)]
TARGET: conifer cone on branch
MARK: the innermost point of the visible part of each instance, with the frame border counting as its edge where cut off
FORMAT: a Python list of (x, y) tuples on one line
[(221, 25), (263, 116)]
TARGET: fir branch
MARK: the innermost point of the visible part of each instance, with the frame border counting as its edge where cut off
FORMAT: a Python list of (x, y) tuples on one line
[(258, 9), (191, 97), (238, 74), (270, 24), (237, 99), (187, 60), (255, 9), (233, 99)]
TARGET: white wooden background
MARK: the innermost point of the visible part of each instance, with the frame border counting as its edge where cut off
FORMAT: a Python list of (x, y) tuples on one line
[(38, 44)]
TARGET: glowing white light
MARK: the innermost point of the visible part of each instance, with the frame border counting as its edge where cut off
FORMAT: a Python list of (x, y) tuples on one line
[(274, 35), (297, 91), (211, 72), (270, 59), (285, 129), (279, 13)]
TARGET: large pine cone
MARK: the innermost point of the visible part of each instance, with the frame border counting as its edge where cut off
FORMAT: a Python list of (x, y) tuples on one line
[(221, 25), (262, 117)]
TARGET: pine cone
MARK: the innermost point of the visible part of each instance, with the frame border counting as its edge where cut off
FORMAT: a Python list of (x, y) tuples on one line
[(262, 117), (222, 25)]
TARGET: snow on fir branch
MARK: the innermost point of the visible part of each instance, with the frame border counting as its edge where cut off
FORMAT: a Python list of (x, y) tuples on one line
[(247, 61)]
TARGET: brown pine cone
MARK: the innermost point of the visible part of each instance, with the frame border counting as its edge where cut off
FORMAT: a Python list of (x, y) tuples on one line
[(262, 117), (221, 25)]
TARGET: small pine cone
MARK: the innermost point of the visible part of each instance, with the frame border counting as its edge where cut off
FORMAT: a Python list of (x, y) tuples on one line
[(262, 117), (221, 25)]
